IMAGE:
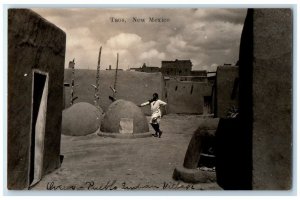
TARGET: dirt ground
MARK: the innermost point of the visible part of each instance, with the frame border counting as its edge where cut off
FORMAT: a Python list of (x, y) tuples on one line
[(96, 163)]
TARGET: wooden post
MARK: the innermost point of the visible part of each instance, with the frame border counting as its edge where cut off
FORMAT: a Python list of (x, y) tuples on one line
[(96, 95), (73, 84), (112, 98), (116, 76)]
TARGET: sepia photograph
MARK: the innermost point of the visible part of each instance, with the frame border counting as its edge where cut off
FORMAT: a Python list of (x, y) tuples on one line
[(149, 99)]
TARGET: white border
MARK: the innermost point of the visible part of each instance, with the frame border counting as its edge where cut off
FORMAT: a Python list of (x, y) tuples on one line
[(153, 3)]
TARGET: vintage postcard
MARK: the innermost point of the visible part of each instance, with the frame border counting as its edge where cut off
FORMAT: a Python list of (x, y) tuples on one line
[(160, 99)]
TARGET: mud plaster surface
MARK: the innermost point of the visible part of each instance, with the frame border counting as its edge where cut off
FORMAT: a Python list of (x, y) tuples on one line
[(81, 119), (124, 109), (144, 161)]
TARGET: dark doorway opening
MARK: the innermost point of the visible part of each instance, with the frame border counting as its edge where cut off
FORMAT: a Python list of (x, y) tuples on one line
[(207, 104)]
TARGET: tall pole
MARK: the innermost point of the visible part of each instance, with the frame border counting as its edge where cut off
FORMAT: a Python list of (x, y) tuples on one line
[(72, 83), (116, 74), (97, 97), (96, 86)]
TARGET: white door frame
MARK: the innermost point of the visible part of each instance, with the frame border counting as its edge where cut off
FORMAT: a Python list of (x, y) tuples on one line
[(39, 131)]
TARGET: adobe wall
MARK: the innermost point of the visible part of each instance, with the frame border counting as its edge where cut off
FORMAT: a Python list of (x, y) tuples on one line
[(265, 92), (272, 92), (33, 43), (225, 99), (186, 96), (134, 86)]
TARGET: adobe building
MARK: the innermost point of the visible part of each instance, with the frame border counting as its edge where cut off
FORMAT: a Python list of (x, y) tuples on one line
[(176, 68), (226, 90), (266, 65), (197, 76), (211, 77), (188, 97), (147, 69), (201, 149), (202, 73), (133, 86), (36, 55), (261, 137), (254, 149)]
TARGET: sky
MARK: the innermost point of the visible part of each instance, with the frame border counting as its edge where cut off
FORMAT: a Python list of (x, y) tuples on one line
[(207, 37)]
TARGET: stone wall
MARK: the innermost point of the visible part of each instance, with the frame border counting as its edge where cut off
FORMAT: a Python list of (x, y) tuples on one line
[(33, 44)]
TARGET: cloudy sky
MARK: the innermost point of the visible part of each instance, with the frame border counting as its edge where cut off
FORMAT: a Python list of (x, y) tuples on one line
[(208, 37)]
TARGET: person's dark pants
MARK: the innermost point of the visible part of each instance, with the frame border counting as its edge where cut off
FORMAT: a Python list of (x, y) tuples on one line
[(156, 128)]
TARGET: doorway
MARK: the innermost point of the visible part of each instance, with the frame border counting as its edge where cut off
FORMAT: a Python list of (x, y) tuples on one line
[(38, 125), (207, 105)]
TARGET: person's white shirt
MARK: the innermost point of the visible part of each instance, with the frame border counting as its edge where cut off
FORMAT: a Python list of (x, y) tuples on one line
[(155, 107)]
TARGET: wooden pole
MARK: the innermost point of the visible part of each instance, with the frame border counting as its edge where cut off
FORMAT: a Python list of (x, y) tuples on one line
[(72, 83), (96, 95), (97, 85), (116, 76)]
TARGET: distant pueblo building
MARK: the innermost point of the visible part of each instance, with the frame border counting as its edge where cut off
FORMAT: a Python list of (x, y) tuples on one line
[(195, 92)]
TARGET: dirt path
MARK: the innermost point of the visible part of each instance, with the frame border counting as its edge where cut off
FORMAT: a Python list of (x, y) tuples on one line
[(95, 163)]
